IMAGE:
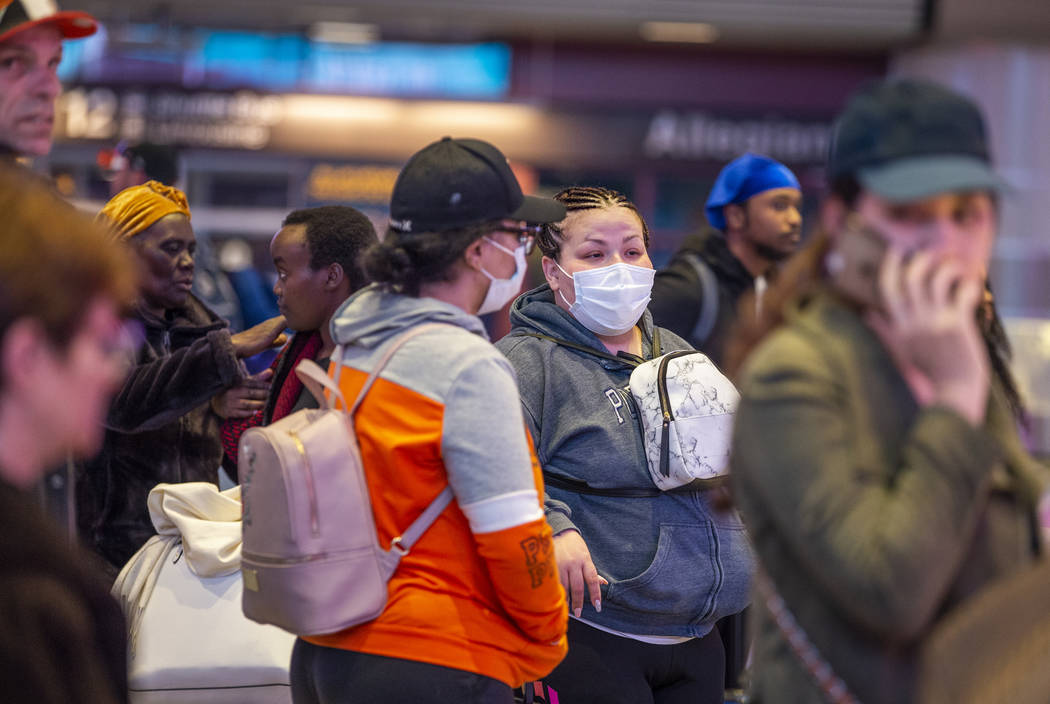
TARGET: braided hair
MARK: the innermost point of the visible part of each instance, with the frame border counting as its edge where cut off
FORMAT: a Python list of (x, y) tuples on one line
[(584, 198)]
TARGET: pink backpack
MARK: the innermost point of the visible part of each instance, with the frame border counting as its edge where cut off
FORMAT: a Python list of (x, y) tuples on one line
[(311, 558)]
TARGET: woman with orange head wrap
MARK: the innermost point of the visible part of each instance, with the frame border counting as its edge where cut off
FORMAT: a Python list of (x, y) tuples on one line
[(160, 427)]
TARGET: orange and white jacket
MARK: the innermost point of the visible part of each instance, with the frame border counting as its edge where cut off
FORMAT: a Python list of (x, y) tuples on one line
[(479, 591)]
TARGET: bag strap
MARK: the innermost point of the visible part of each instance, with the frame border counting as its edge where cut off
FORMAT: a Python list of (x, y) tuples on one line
[(400, 545), (316, 379), (388, 352), (705, 323), (593, 352), (831, 685), (579, 487)]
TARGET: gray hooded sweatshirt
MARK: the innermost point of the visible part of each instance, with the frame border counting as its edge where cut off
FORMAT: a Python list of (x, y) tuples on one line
[(675, 564)]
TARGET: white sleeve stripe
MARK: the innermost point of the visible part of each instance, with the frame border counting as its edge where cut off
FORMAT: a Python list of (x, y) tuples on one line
[(503, 511)]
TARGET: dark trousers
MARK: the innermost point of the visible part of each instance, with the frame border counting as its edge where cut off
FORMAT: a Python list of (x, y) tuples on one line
[(333, 676), (607, 669)]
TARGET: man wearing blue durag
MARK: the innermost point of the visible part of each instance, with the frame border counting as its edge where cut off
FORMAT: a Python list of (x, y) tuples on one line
[(753, 210)]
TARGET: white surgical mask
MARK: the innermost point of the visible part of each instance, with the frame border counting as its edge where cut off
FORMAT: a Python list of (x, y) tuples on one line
[(501, 291), (610, 300)]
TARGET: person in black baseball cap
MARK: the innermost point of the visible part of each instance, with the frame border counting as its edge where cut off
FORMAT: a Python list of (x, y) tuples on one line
[(31, 34), (876, 457), (457, 209), (475, 608), (455, 183)]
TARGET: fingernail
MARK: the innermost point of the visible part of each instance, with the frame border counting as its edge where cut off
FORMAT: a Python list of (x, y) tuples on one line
[(578, 611), (598, 605)]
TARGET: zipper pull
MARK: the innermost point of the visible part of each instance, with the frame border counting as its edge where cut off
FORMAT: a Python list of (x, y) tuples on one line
[(665, 450)]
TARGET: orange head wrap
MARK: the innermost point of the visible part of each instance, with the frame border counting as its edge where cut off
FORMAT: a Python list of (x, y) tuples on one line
[(135, 209)]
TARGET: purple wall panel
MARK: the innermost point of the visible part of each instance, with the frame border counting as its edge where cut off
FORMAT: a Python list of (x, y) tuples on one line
[(658, 76)]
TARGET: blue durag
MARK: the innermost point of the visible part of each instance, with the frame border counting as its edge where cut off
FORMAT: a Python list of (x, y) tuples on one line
[(743, 177)]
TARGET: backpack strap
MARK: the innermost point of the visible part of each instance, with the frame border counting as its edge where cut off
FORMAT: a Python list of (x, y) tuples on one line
[(705, 323), (317, 381), (388, 352), (401, 545)]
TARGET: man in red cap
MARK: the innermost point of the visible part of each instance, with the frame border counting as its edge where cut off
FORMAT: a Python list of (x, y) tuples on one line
[(31, 34)]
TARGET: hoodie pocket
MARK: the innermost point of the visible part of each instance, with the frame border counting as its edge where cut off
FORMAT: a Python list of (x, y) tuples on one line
[(682, 584)]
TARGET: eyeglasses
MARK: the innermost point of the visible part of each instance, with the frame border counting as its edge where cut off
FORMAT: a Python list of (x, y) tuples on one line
[(526, 233), (122, 347)]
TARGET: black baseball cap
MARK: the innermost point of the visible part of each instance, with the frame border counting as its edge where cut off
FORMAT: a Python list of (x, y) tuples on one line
[(454, 183), (19, 15), (906, 139)]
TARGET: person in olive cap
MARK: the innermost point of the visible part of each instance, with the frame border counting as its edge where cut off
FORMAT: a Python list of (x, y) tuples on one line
[(876, 458), (31, 34), (753, 210), (475, 607)]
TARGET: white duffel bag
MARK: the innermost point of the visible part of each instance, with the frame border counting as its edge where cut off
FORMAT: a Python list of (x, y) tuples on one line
[(188, 639)]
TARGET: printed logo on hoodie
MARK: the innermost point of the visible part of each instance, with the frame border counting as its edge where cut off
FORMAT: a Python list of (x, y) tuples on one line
[(620, 399)]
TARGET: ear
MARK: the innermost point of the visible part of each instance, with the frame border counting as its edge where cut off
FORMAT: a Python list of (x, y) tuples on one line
[(735, 215), (334, 276), (23, 352), (472, 255), (550, 272), (833, 213)]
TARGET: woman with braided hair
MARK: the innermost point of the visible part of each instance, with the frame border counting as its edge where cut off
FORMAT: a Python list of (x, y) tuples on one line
[(160, 427), (658, 568)]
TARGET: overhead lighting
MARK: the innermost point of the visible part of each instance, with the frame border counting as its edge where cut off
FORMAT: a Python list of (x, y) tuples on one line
[(344, 32), (334, 108), (683, 32)]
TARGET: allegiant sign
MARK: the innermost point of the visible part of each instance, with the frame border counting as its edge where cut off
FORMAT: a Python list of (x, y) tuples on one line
[(389, 130), (699, 136)]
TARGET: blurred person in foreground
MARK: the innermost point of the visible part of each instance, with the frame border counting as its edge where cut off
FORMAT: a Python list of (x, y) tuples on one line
[(876, 457), (316, 254), (31, 34), (475, 607), (755, 224), (62, 355), (659, 568), (160, 426)]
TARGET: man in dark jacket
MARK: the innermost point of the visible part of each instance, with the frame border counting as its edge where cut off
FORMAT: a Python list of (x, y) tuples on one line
[(316, 253), (753, 209)]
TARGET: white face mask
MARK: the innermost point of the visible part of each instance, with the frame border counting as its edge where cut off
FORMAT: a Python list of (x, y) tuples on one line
[(610, 300), (501, 291)]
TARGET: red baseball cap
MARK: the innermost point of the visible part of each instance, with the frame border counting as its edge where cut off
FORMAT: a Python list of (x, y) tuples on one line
[(19, 15)]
